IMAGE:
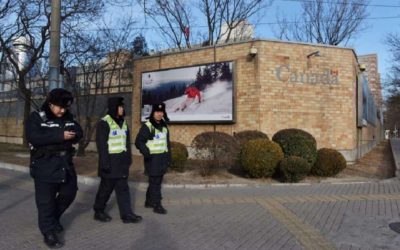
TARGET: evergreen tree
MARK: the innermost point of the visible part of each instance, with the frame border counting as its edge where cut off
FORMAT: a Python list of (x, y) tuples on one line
[(199, 79), (226, 73), (207, 76), (139, 46)]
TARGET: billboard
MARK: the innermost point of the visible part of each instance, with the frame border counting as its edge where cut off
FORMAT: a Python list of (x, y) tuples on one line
[(196, 94)]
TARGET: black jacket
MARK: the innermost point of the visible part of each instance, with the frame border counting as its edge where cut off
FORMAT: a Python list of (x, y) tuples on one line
[(51, 155), (156, 164), (112, 165)]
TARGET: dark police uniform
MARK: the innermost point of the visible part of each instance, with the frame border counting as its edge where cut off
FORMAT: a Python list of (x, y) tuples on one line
[(51, 163), (114, 149), (154, 144)]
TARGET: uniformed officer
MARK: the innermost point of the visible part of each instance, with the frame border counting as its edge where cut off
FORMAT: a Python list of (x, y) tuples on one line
[(115, 158), (51, 131), (154, 144)]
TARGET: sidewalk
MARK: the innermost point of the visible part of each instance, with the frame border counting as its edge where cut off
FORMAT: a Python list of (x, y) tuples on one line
[(221, 212), (307, 216)]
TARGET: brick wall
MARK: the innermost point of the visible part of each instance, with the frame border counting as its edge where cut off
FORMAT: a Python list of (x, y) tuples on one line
[(372, 75), (281, 87)]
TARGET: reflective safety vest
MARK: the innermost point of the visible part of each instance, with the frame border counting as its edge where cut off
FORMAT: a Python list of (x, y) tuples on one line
[(159, 143), (117, 136)]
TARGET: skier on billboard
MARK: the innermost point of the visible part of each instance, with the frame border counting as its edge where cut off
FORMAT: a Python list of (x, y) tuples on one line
[(191, 93)]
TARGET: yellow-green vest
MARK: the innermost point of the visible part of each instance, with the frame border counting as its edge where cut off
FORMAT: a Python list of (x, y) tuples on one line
[(117, 136), (159, 143)]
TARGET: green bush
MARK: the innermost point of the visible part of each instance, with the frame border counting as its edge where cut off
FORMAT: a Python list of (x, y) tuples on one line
[(260, 157), (216, 150), (247, 135), (329, 162), (179, 155), (297, 142), (293, 169), (244, 136)]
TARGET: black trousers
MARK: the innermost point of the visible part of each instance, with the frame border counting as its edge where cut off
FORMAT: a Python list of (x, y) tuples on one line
[(121, 188), (52, 199), (153, 193)]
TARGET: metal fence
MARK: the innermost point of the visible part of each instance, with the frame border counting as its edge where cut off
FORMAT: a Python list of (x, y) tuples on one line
[(109, 81)]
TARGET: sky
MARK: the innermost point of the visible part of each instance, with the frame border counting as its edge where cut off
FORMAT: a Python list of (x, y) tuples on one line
[(384, 18), (370, 41)]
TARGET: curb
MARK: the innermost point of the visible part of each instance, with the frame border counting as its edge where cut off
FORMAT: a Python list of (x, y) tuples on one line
[(94, 181)]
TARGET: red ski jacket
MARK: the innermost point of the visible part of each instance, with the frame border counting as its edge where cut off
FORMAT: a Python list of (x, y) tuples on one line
[(192, 92)]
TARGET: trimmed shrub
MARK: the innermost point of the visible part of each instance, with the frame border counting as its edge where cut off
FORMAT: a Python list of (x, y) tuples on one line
[(297, 142), (329, 162), (293, 169), (179, 155), (243, 137), (260, 157), (216, 150), (247, 135)]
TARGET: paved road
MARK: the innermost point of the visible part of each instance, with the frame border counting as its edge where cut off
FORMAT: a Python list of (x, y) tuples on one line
[(314, 216)]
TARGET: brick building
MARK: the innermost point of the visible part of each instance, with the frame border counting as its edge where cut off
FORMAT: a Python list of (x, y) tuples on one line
[(321, 89), (279, 85)]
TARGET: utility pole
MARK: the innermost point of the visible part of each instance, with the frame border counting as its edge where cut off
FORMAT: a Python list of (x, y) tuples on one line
[(54, 59)]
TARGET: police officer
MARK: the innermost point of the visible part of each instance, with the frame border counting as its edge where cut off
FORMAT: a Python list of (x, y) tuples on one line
[(115, 158), (51, 131), (154, 144)]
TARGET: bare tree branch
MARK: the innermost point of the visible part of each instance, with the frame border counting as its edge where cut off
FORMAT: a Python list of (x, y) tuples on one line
[(30, 21), (328, 22), (172, 17), (99, 57)]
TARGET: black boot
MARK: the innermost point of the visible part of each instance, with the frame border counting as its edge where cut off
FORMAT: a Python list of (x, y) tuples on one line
[(59, 228), (131, 218), (148, 204), (159, 209), (52, 241), (102, 216)]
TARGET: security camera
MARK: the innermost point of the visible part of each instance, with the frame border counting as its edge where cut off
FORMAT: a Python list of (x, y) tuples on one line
[(253, 51)]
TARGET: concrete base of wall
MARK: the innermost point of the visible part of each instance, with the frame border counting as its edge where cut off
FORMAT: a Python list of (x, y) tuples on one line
[(353, 155)]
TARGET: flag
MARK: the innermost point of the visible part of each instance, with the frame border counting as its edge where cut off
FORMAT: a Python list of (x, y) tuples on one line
[(187, 32)]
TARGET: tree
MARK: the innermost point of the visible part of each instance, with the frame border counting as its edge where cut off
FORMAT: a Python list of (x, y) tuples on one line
[(232, 13), (6, 7), (139, 46), (331, 22), (174, 18), (392, 112), (102, 59), (392, 84), (29, 23)]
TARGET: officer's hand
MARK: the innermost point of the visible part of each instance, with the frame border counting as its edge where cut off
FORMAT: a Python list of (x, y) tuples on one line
[(69, 135)]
